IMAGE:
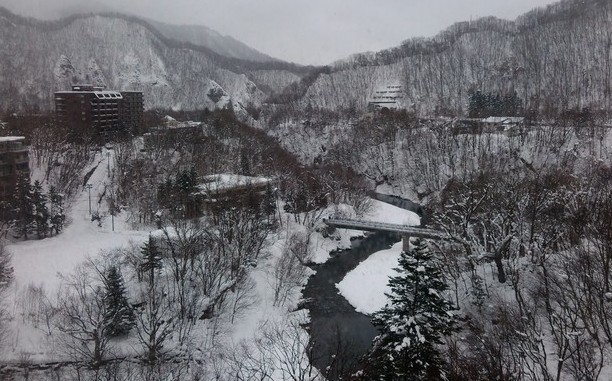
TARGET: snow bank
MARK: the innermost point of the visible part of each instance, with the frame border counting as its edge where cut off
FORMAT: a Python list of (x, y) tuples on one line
[(366, 285), (383, 212), (380, 212)]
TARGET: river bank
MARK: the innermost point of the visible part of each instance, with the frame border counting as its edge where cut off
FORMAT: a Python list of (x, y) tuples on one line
[(339, 335)]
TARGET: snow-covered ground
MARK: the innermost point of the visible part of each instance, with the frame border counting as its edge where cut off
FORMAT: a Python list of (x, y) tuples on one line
[(365, 287), (42, 264), (383, 212)]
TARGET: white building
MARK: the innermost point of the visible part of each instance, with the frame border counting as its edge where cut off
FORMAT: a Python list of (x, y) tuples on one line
[(390, 97), (504, 121)]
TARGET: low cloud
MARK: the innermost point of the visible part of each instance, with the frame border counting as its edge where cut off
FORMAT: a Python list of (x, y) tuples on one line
[(307, 32)]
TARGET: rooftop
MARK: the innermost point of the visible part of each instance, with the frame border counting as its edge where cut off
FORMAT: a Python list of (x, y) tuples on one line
[(99, 94), (504, 119), (225, 181), (108, 95), (11, 138)]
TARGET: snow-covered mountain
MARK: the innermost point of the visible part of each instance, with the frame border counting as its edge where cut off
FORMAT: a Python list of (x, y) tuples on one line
[(554, 58), (558, 58), (124, 53), (204, 36)]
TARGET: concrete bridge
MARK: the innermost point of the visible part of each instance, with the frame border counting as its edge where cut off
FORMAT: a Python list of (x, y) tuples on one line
[(405, 231)]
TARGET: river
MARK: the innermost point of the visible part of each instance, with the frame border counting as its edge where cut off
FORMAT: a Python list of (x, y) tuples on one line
[(339, 335)]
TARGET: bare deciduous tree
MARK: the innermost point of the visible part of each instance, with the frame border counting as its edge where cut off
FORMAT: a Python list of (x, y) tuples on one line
[(155, 320), (289, 269), (279, 351), (82, 320)]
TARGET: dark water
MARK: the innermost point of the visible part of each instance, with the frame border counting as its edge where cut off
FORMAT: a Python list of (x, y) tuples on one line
[(339, 335)]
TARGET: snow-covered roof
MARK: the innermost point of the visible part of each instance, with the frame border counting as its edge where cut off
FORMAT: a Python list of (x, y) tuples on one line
[(11, 138), (504, 119), (225, 181), (99, 94), (188, 124), (108, 95), (389, 92), (87, 87)]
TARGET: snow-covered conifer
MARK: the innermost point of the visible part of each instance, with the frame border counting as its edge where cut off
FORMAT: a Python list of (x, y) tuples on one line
[(119, 314), (6, 270), (56, 210), (40, 210), (414, 322), (151, 259), (22, 211)]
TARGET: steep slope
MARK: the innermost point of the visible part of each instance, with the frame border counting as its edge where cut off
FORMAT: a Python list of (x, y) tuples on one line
[(38, 58), (204, 36), (555, 58)]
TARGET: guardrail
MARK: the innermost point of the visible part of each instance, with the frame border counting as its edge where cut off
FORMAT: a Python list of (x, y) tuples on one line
[(412, 231)]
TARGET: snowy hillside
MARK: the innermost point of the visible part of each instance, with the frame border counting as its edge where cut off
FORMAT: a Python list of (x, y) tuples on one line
[(533, 56), (45, 268), (203, 36), (39, 58)]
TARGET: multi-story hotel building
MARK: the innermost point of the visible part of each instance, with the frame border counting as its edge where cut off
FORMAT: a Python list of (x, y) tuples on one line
[(14, 160), (91, 110)]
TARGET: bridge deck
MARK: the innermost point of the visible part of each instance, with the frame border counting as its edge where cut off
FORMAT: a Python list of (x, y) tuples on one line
[(411, 231)]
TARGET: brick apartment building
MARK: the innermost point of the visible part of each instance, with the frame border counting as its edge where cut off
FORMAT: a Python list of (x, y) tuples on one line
[(106, 114), (14, 160)]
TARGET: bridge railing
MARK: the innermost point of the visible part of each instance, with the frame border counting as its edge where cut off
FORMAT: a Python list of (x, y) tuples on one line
[(384, 226)]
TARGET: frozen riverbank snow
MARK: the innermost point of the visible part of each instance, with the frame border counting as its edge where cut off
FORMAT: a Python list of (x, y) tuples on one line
[(366, 285), (383, 212)]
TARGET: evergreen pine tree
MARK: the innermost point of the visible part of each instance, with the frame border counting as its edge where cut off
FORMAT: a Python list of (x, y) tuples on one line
[(495, 105), (477, 105), (40, 211), (119, 317), (6, 270), (184, 186), (151, 259), (245, 164), (413, 323), (56, 211), (22, 211), (186, 181), (269, 202)]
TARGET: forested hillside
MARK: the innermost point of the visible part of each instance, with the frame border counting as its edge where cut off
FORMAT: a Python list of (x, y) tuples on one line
[(125, 53), (203, 36), (554, 58)]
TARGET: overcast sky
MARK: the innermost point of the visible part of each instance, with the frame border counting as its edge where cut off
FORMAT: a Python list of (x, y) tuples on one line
[(302, 31)]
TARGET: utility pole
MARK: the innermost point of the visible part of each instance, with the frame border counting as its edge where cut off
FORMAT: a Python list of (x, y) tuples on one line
[(108, 161), (88, 186), (112, 211)]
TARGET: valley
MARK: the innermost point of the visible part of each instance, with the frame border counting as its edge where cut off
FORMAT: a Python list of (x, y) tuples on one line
[(170, 200)]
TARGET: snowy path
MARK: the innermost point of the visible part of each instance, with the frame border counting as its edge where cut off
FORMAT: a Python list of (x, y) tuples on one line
[(39, 262)]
